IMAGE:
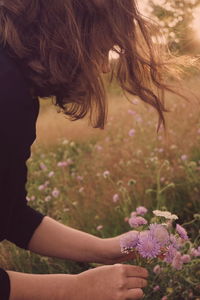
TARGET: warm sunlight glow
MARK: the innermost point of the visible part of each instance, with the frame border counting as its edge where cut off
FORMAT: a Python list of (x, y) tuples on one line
[(196, 22)]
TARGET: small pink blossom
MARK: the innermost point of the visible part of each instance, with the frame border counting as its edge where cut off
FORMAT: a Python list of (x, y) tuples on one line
[(43, 166), (47, 199), (184, 157), (81, 189), (41, 187), (131, 132), (141, 210), (99, 227), (79, 178), (55, 193), (177, 262), (106, 174), (62, 164), (156, 288), (115, 198), (182, 232), (137, 221), (186, 258), (51, 174)]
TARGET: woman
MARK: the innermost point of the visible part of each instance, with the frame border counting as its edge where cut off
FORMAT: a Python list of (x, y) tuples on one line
[(60, 48)]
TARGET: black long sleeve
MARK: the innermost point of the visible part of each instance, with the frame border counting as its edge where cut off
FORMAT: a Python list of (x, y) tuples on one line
[(18, 114)]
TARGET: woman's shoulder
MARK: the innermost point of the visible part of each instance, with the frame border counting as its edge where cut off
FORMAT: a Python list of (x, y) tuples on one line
[(13, 85), (10, 74)]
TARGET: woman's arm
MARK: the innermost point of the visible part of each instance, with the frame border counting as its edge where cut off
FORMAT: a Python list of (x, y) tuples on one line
[(54, 239), (41, 287)]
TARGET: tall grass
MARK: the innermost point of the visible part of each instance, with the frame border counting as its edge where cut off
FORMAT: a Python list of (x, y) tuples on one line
[(92, 179)]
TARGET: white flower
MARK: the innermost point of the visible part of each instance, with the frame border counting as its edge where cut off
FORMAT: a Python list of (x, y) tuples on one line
[(165, 214)]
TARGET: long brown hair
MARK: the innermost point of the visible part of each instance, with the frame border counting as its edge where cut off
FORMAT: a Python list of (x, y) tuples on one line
[(59, 45)]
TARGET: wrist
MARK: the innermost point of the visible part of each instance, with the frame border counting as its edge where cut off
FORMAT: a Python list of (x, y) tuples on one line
[(109, 250)]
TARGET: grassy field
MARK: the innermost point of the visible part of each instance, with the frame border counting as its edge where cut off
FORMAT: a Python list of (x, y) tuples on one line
[(93, 179)]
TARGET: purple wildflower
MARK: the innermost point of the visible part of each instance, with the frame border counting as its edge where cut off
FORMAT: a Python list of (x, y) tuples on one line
[(141, 210), (177, 262), (170, 254), (160, 233), (148, 246), (182, 232), (137, 221), (129, 241)]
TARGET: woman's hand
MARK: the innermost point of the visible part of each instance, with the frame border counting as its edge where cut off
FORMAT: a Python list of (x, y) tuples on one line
[(117, 282), (111, 251)]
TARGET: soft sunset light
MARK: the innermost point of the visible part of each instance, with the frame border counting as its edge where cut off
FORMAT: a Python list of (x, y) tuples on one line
[(196, 22)]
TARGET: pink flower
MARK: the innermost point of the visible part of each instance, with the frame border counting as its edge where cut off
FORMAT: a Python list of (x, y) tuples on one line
[(184, 157), (106, 174), (62, 164), (43, 166), (115, 198), (195, 252), (186, 258), (164, 298), (41, 187), (141, 210), (182, 232), (47, 199), (51, 174), (55, 193), (131, 132), (137, 221), (99, 227), (81, 189), (177, 262), (156, 288), (170, 254)]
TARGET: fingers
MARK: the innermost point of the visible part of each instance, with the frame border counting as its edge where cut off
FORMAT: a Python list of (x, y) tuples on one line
[(135, 271), (134, 294), (133, 282)]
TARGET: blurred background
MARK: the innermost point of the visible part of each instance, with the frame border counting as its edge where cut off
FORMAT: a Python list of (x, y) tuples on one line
[(93, 179)]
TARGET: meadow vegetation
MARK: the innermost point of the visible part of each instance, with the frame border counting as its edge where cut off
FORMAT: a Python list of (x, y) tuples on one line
[(93, 179)]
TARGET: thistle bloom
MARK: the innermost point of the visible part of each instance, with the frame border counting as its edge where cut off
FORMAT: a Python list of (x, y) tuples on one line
[(129, 241), (137, 221), (148, 247), (141, 210), (182, 232), (160, 233)]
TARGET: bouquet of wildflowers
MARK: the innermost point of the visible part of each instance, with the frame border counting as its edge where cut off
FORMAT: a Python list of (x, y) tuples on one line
[(158, 239)]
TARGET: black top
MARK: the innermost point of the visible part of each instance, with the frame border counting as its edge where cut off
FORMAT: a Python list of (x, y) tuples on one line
[(18, 114)]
